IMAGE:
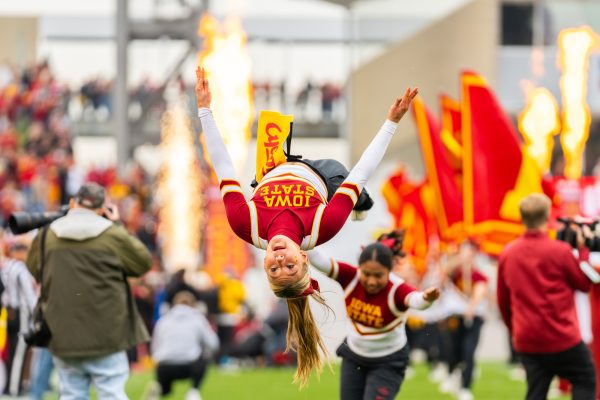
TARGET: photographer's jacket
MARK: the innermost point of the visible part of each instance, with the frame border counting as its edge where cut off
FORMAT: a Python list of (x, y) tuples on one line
[(87, 304)]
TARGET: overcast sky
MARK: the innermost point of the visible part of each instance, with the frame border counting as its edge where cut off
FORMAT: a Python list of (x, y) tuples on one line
[(75, 61), (314, 8)]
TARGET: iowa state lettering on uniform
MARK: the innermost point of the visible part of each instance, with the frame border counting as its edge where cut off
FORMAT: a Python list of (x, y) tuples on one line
[(291, 195), (365, 313)]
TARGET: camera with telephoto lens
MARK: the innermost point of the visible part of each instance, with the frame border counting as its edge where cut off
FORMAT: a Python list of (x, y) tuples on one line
[(568, 233), (21, 221)]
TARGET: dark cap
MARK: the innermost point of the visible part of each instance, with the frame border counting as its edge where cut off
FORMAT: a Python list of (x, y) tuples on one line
[(91, 195)]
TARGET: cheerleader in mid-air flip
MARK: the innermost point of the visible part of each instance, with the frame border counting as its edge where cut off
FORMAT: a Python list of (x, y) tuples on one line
[(295, 207)]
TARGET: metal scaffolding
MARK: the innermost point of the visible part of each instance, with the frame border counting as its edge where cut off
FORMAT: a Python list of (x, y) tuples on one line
[(128, 30)]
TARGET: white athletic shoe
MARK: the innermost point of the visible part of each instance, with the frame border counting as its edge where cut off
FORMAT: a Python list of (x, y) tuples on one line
[(193, 394), (464, 394), (439, 373), (517, 374), (152, 391), (451, 384), (553, 393), (410, 373)]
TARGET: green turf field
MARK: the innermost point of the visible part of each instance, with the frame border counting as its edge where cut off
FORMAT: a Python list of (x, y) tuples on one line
[(493, 383)]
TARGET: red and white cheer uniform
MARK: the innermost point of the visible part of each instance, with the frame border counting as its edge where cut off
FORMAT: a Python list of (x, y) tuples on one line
[(291, 199)]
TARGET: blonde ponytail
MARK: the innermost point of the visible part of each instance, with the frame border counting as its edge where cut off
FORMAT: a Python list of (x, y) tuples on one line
[(302, 334)]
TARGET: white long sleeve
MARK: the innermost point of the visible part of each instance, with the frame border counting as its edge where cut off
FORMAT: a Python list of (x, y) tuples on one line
[(372, 155), (320, 261), (219, 157), (416, 301)]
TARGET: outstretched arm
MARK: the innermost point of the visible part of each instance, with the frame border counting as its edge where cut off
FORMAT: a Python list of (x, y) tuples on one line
[(238, 213), (338, 271), (320, 261), (422, 300), (374, 152), (219, 157), (341, 204)]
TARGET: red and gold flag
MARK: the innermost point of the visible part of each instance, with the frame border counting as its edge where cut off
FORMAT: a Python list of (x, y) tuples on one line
[(496, 173), (412, 206), (451, 133), (441, 176)]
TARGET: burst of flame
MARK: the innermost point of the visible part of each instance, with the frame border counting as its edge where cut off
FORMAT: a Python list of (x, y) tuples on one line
[(179, 193), (575, 47), (538, 123), (227, 63)]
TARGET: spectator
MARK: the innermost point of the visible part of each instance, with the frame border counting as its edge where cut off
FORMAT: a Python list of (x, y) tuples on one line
[(19, 298), (231, 296), (86, 297), (537, 280), (180, 344), (464, 301)]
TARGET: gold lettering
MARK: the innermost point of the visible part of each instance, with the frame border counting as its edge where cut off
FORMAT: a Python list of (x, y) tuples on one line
[(298, 190), (297, 201), (377, 311), (310, 191), (368, 308), (287, 189), (362, 317), (276, 190), (283, 201), (307, 199), (264, 191), (269, 200)]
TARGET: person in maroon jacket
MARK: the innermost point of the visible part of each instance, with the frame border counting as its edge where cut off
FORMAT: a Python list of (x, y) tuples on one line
[(537, 279)]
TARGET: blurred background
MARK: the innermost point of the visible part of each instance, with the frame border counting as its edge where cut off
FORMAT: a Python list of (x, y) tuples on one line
[(103, 91)]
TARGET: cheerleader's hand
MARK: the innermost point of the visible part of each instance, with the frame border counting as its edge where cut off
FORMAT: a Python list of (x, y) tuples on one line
[(401, 105), (431, 294), (203, 95)]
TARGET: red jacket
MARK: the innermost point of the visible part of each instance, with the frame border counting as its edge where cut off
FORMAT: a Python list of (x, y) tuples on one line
[(537, 278)]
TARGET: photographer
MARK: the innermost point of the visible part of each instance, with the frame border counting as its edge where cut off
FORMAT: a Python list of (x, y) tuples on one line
[(537, 280), (86, 300)]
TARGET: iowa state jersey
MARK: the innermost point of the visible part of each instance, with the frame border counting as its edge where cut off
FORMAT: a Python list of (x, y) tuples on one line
[(287, 204), (377, 320)]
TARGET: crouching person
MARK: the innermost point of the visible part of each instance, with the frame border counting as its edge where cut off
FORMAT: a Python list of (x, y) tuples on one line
[(181, 345)]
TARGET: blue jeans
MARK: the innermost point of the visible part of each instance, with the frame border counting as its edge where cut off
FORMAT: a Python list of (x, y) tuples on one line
[(40, 379), (108, 374)]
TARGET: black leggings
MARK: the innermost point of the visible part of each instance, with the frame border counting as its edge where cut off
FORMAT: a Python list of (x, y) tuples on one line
[(365, 378), (463, 343), (166, 374)]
